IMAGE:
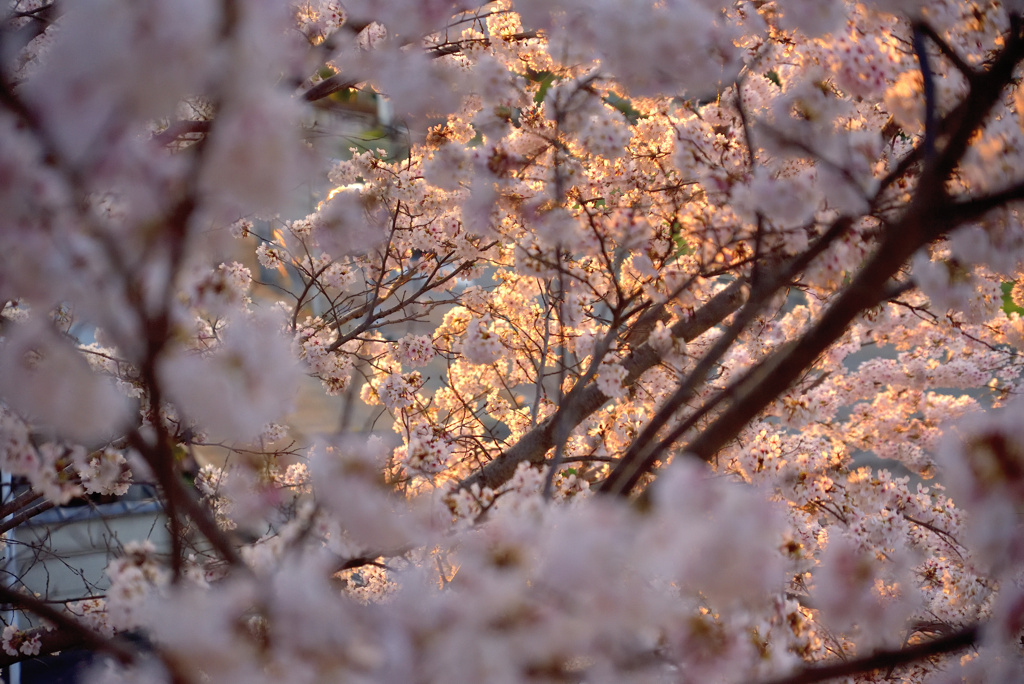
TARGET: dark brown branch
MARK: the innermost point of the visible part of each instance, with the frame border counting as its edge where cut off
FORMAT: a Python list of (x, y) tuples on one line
[(183, 501), (969, 72), (328, 87), (457, 46), (886, 660), (77, 633), (643, 452), (26, 515), (974, 208), (20, 502), (926, 218), (534, 445), (50, 641), (757, 388), (985, 91)]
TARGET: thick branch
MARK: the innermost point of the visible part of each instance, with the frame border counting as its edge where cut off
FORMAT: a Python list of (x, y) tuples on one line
[(886, 660), (643, 452), (77, 633), (534, 445), (50, 641), (975, 207), (22, 501), (328, 87), (23, 517), (925, 219)]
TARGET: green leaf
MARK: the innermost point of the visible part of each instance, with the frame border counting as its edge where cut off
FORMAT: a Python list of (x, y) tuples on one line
[(546, 80), (1008, 306), (626, 107), (683, 247)]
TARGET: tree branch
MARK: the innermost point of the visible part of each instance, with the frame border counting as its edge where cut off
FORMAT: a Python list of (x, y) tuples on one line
[(534, 445), (887, 659), (328, 87), (641, 456), (77, 633), (924, 220), (976, 207)]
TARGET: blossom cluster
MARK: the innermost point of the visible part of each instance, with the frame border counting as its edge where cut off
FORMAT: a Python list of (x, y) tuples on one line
[(657, 341)]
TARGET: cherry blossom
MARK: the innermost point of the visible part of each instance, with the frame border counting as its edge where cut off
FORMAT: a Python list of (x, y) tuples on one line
[(650, 341)]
